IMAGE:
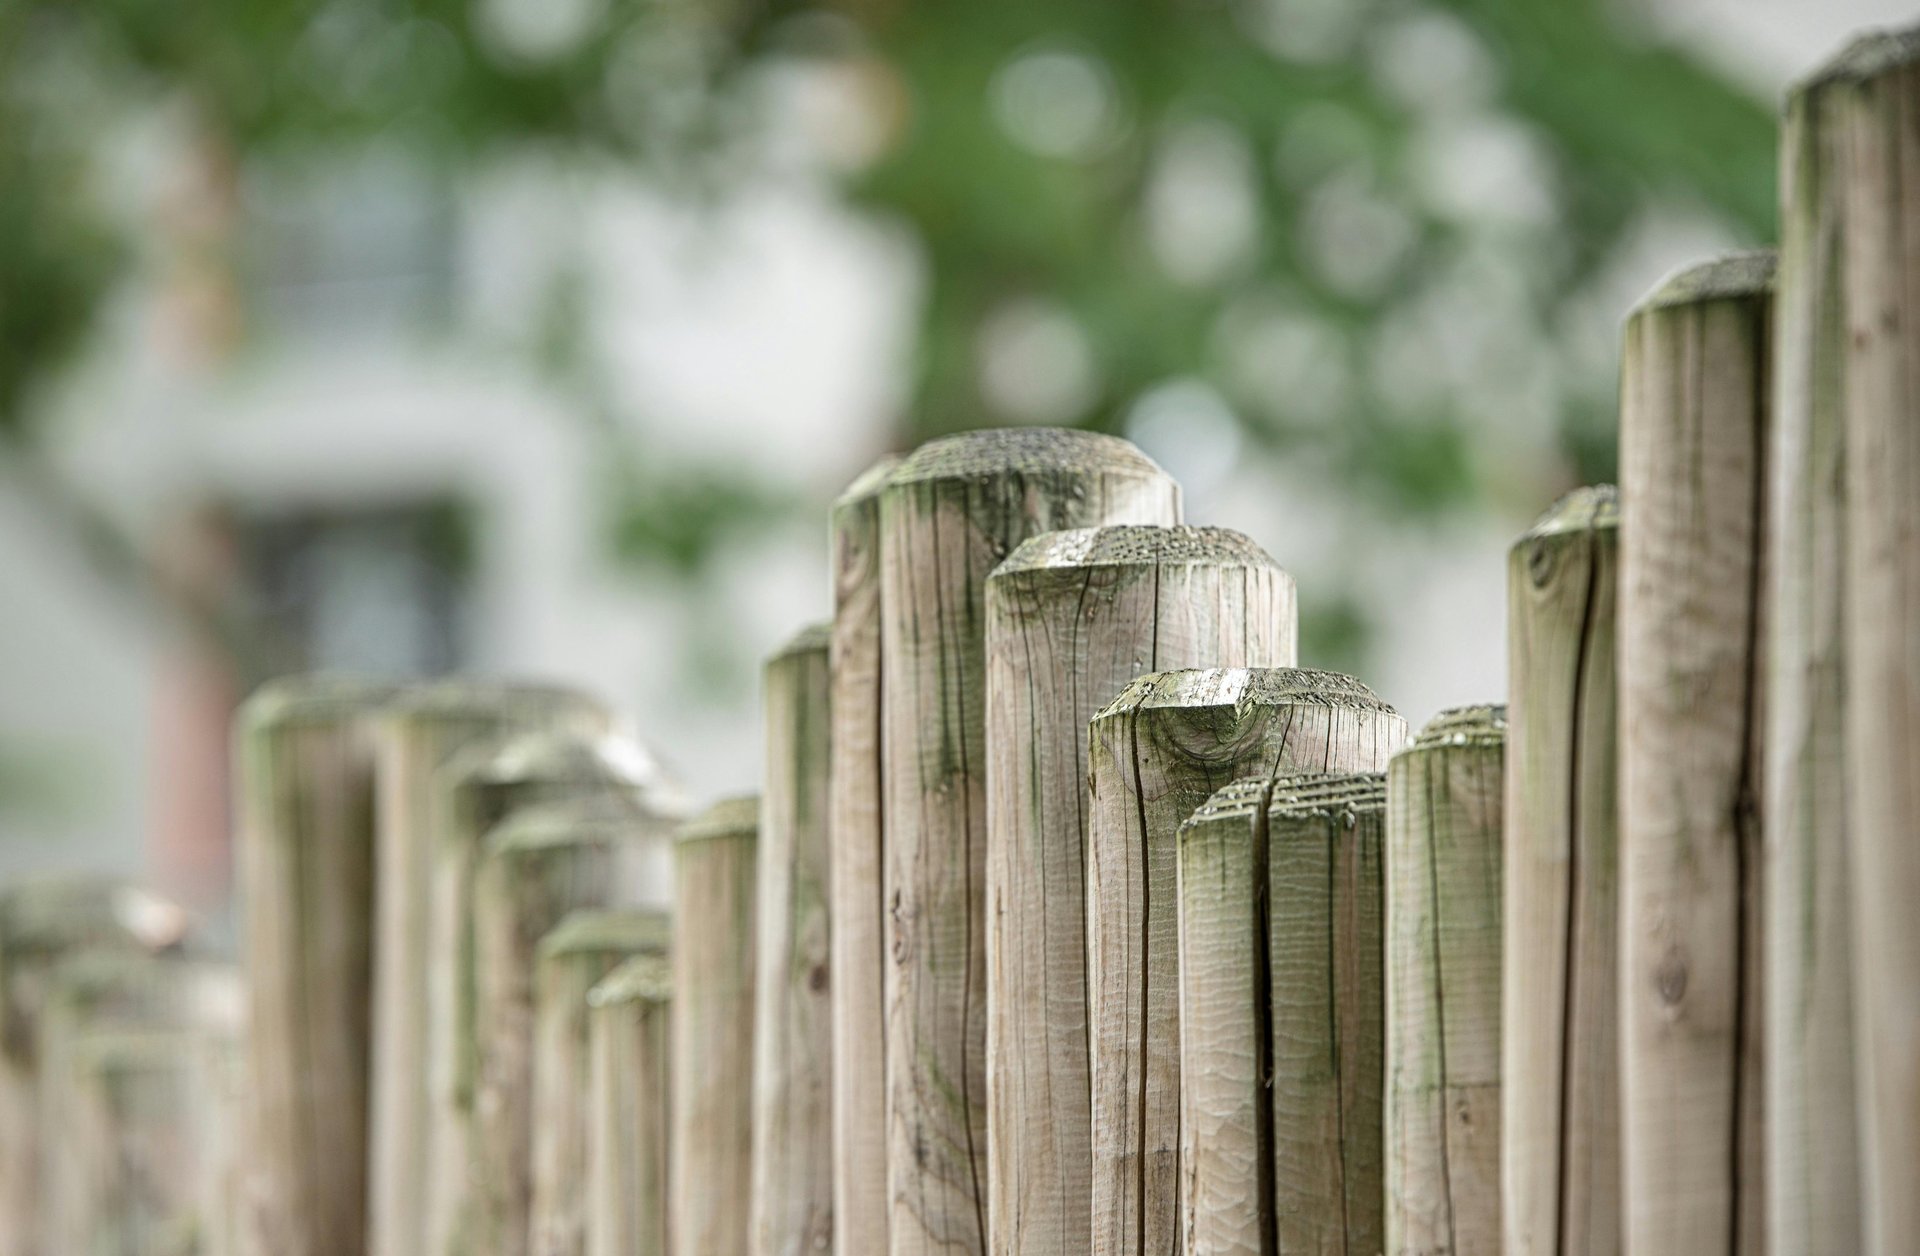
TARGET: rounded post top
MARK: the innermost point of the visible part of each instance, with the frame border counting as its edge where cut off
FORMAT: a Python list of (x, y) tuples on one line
[(1867, 57), (1313, 794), (1199, 687), (1482, 725), (588, 932), (1583, 510), (311, 698), (51, 912), (867, 485), (1741, 276), (603, 816), (1143, 545), (1235, 800), (471, 698), (559, 757), (1021, 450), (642, 979), (813, 639), (738, 816)]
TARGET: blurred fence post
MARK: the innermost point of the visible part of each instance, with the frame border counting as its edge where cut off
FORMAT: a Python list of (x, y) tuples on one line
[(629, 1079)]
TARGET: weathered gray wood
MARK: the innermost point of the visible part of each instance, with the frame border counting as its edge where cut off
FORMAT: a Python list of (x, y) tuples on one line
[(1560, 1075), (857, 987), (948, 514), (1442, 1104), (1156, 753), (711, 1108), (304, 842), (630, 1077), (581, 950), (1693, 423), (418, 733), (1071, 618), (793, 1169)]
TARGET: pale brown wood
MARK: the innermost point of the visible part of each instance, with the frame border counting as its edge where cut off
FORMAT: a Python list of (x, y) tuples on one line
[(417, 734), (1442, 1106), (304, 848), (711, 1108), (857, 993), (793, 1169), (1560, 1076), (1693, 422), (628, 1141), (948, 514), (1157, 752), (581, 950), (1071, 618)]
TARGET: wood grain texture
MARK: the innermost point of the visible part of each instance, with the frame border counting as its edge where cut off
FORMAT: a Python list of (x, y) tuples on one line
[(581, 950), (1693, 424), (711, 1107), (1156, 753), (1072, 617), (628, 1139), (857, 986), (418, 733), (948, 515), (1560, 1074), (304, 845), (1443, 956)]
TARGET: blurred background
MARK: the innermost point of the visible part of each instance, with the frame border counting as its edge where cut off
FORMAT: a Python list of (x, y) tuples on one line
[(535, 336)]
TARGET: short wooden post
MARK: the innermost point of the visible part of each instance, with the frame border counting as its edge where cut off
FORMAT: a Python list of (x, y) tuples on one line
[(629, 1078), (543, 862), (1283, 1017), (1157, 752), (1443, 985), (304, 820), (856, 989), (1071, 618), (581, 950), (792, 1202), (42, 921), (1560, 1076), (418, 733), (1693, 424), (713, 971), (948, 514)]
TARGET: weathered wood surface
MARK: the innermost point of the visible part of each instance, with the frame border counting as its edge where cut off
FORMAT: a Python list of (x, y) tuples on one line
[(1560, 1076), (42, 921), (581, 950), (793, 1169), (1156, 753), (1283, 1017), (857, 987), (1442, 1106), (629, 1079), (543, 862), (1072, 617), (948, 515), (304, 843), (711, 1108), (418, 733), (1693, 426)]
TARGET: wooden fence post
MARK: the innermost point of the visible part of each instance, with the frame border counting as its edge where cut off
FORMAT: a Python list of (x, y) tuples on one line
[(581, 950), (1156, 753), (1283, 1017), (1072, 617), (948, 514), (1443, 841), (1560, 1076), (629, 1079), (1693, 422), (304, 839), (418, 733), (711, 1108), (856, 987), (793, 1169)]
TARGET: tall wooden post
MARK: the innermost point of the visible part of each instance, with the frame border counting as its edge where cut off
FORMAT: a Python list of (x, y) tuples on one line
[(857, 989), (1443, 985), (418, 733), (1283, 1017), (711, 1109), (948, 514), (1693, 423), (629, 1079), (1156, 753), (580, 951), (304, 819), (793, 1169), (1560, 1076), (1071, 618)]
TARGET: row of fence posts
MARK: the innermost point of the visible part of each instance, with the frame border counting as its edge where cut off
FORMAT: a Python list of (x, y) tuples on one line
[(1075, 916)]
